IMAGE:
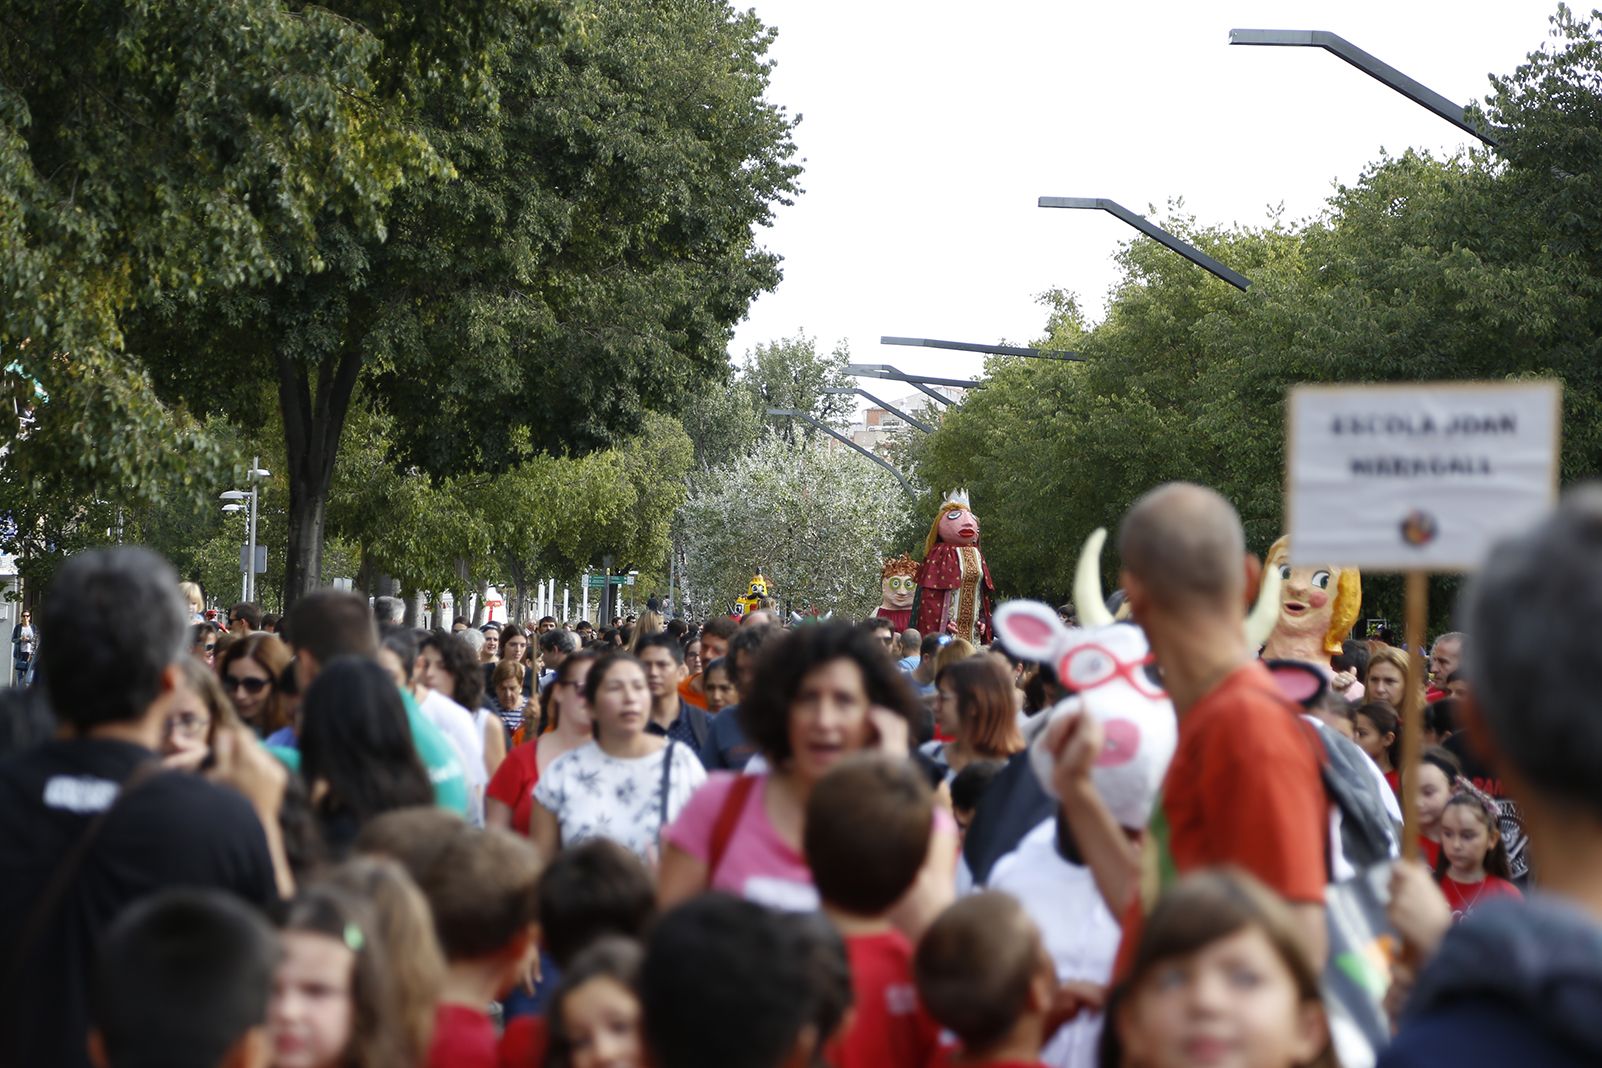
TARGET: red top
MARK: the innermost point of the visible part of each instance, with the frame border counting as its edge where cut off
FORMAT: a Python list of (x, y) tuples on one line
[(463, 1038), (1465, 897), (1243, 789), (513, 783), (1394, 777), (525, 1042), (1429, 851), (890, 1029)]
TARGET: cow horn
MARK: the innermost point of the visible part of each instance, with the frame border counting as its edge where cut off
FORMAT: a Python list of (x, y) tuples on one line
[(1088, 601), (1265, 614)]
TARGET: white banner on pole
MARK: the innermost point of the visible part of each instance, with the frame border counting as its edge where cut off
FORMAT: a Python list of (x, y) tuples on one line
[(1419, 476)]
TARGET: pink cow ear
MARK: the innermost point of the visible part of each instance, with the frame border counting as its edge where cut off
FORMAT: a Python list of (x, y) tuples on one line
[(1030, 629)]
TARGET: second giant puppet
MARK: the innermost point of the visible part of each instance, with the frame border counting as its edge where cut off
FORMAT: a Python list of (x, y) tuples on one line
[(898, 583), (1318, 605), (954, 586)]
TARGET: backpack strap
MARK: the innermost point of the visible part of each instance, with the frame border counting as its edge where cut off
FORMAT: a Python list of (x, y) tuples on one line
[(728, 817), (667, 785)]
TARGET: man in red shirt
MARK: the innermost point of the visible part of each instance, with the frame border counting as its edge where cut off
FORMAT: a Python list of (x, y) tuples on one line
[(1244, 787)]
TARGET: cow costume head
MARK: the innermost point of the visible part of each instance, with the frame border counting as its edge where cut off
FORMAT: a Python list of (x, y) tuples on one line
[(1111, 674)]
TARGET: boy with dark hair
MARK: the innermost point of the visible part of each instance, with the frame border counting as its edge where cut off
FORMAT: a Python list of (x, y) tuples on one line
[(727, 747), (968, 787), (182, 981), (244, 617), (672, 716), (729, 983), (866, 836), (89, 823), (591, 891), (480, 886), (984, 974)]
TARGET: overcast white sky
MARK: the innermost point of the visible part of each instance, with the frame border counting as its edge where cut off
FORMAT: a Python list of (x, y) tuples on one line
[(929, 129)]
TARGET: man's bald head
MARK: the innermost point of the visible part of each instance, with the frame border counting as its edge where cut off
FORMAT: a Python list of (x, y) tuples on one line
[(1184, 544)]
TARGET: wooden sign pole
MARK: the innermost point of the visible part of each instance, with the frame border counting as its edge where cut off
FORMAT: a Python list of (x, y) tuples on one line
[(1417, 598)]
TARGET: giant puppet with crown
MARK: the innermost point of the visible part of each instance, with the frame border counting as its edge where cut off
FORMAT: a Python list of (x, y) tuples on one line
[(954, 586)]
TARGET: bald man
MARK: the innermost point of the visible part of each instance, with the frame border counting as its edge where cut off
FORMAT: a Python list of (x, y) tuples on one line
[(1244, 786)]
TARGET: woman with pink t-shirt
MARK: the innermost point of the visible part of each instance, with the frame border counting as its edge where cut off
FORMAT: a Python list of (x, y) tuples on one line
[(820, 693)]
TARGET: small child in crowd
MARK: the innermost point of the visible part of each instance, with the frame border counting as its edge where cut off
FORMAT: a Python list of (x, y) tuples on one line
[(718, 685), (1220, 976), (595, 1012), (967, 787), (183, 977), (731, 984), (1472, 866), (335, 1002), (1437, 771), (866, 837), (984, 974), (596, 891), (1377, 732)]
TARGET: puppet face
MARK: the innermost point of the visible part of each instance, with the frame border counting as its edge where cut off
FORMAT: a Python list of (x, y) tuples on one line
[(759, 587), (1306, 597), (1110, 671), (958, 526), (898, 591)]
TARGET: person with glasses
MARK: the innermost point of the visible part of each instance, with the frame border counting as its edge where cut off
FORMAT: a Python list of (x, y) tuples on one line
[(509, 799), (196, 707), (244, 618), (203, 643), (249, 670)]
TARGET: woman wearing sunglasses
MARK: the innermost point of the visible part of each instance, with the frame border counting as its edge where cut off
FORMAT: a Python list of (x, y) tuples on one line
[(249, 670)]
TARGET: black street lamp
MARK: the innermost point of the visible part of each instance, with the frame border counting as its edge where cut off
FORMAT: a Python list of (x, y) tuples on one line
[(796, 413), (1153, 231), (992, 350)]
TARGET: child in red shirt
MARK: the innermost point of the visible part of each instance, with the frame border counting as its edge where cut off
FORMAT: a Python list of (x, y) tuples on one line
[(866, 837), (1473, 867), (985, 976)]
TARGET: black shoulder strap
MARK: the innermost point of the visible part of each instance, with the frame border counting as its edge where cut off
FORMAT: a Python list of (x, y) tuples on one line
[(700, 725), (667, 784)]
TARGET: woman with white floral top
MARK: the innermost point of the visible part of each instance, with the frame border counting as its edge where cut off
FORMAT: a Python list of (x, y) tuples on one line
[(625, 785)]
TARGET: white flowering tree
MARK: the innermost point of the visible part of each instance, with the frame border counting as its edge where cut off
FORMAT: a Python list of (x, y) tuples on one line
[(816, 520)]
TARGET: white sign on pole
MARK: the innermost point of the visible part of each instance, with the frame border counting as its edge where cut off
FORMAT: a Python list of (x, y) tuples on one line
[(1422, 476)]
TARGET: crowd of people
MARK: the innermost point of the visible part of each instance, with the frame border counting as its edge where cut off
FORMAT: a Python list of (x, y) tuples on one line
[(333, 839)]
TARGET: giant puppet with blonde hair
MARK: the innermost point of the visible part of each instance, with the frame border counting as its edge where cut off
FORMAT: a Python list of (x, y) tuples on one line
[(1318, 605), (954, 586)]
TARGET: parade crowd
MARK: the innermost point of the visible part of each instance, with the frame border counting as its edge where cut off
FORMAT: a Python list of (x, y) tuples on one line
[(335, 840)]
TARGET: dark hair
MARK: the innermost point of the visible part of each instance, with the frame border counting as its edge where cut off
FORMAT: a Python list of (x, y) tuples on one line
[(462, 620), (720, 627), (480, 885), (512, 630), (604, 666), (270, 654), (765, 976), (354, 736), (545, 619), (680, 630), (986, 710), (1445, 760), (25, 718), (1442, 716), (617, 959), (376, 1036), (330, 623), (564, 640), (269, 622), (971, 782), (402, 641), (1386, 721), (132, 595), (930, 644), (592, 890), (549, 718), (180, 977), (746, 642), (765, 713), (199, 632), (1353, 657), (249, 611), (719, 664), (867, 832), (1201, 909), (875, 624), (1456, 676), (467, 674), (974, 967), (1496, 862), (662, 640)]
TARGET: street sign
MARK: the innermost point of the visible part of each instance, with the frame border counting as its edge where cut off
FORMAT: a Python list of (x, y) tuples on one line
[(1424, 476), (596, 582), (261, 558)]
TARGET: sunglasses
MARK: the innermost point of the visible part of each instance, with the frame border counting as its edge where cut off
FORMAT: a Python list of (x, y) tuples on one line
[(250, 686)]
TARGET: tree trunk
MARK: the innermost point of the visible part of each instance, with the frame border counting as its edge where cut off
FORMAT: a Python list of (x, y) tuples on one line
[(313, 423)]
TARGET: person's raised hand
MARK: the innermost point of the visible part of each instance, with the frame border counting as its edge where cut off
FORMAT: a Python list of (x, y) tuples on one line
[(891, 733), (1074, 740), (1074, 997), (1342, 681), (240, 761), (1418, 910)]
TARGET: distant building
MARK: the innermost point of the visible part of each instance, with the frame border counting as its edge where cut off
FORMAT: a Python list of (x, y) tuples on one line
[(874, 425)]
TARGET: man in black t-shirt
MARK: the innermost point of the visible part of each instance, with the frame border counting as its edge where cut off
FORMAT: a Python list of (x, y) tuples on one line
[(164, 829)]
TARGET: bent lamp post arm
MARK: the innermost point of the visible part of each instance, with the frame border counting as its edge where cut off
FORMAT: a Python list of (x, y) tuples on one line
[(992, 350), (920, 382), (1153, 231), (886, 405), (796, 413), (1375, 68)]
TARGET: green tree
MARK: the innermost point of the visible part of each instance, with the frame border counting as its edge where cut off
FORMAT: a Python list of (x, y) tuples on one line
[(816, 519), (584, 265), (791, 373)]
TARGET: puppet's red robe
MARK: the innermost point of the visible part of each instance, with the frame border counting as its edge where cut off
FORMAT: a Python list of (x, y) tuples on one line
[(954, 586)]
